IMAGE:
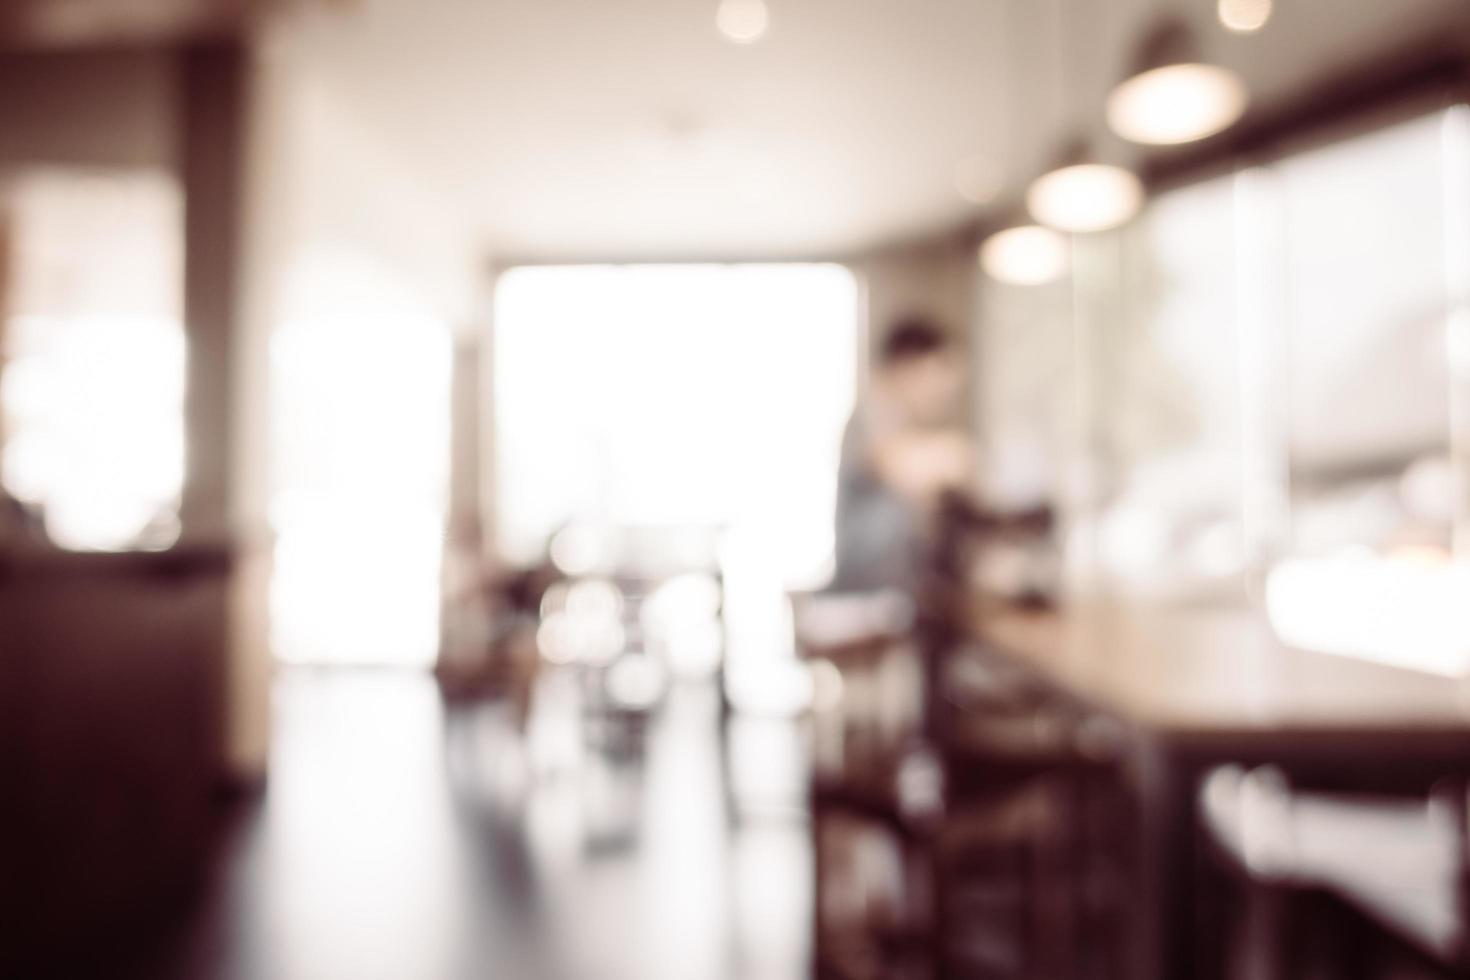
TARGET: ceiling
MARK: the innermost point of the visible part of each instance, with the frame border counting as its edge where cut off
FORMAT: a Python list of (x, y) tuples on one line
[(556, 130), (572, 129), (568, 128)]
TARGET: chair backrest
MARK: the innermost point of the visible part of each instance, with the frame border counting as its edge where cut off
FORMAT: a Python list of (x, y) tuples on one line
[(1450, 798)]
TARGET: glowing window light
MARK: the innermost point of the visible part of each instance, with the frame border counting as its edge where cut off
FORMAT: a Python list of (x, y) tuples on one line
[(680, 621), (360, 460), (91, 399), (624, 399), (1407, 610)]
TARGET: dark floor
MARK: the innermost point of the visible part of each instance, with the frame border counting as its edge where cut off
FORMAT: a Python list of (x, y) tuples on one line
[(398, 840)]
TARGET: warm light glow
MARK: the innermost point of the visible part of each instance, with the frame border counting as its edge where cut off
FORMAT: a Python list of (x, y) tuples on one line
[(743, 21), (1085, 197), (1245, 16), (1176, 104), (1027, 255), (96, 414), (769, 687), (588, 360)]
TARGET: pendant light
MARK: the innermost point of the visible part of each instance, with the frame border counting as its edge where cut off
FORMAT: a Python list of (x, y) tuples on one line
[(1244, 16), (1081, 194), (1173, 95), (1025, 255), (742, 21)]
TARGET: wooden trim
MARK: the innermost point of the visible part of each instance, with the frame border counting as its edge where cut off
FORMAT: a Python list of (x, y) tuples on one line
[(212, 120), (1342, 105), (1418, 78)]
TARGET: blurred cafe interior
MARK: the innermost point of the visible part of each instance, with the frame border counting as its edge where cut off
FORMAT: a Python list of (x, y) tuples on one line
[(734, 489)]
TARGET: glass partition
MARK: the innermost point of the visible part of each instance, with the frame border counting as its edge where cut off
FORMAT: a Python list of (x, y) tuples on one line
[(1272, 400), (1369, 230), (1169, 431)]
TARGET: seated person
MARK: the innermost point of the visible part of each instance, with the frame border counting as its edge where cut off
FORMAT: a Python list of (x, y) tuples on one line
[(902, 454)]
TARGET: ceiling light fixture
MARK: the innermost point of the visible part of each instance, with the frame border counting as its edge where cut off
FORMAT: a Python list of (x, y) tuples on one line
[(743, 21), (1173, 96), (1082, 195), (1244, 16), (1024, 255)]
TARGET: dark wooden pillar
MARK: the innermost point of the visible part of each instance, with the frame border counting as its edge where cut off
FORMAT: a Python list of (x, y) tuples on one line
[(213, 107)]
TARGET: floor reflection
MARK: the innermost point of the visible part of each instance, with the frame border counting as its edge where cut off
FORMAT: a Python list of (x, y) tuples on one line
[(398, 839)]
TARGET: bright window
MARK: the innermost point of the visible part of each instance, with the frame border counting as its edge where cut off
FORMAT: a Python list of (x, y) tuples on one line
[(692, 399), (91, 399), (695, 396), (359, 468)]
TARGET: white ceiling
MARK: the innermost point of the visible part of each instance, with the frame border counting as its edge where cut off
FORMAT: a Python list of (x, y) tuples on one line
[(617, 127), (582, 129)]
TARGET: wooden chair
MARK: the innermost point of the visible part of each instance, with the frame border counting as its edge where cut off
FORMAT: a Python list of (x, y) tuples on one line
[(1345, 884), (980, 803)]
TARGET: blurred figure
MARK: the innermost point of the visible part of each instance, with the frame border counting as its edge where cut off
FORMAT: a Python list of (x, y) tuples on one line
[(901, 453)]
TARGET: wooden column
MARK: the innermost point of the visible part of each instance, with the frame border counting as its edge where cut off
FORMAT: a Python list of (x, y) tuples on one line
[(212, 167)]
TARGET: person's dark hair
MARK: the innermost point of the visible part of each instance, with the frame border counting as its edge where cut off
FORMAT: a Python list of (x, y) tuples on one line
[(912, 337)]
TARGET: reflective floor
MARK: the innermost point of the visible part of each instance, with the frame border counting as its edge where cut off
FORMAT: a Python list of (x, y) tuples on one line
[(401, 840)]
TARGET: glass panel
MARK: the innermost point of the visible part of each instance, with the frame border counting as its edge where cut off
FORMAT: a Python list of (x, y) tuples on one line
[(1369, 225), (1168, 403), (1024, 392), (1368, 379)]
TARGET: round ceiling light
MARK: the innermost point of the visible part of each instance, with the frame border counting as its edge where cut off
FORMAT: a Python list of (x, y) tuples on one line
[(743, 21), (1026, 255), (1244, 16), (1176, 104), (1085, 197)]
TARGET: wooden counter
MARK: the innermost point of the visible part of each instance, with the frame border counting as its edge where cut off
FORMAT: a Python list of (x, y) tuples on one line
[(1217, 671), (1189, 689)]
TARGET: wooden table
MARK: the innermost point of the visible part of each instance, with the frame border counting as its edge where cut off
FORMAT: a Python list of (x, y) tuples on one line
[(1190, 689)]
